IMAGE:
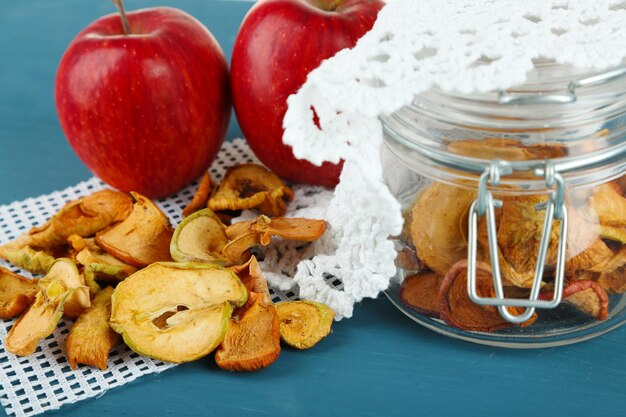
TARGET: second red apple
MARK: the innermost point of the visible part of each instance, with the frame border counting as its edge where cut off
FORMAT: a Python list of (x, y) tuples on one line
[(279, 43)]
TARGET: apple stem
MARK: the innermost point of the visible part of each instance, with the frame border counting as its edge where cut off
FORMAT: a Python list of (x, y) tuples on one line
[(120, 8)]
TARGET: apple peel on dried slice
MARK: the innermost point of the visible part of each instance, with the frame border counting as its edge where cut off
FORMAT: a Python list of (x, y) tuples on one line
[(39, 321), (201, 197), (27, 258), (142, 238), (250, 186), (458, 310), (586, 295), (304, 323), (245, 235), (16, 293), (91, 338), (176, 312), (439, 218), (199, 238)]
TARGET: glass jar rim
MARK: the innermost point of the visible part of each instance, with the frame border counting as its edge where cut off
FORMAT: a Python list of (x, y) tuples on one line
[(597, 96)]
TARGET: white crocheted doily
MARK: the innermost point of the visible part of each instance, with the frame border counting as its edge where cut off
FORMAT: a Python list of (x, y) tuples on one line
[(455, 45)]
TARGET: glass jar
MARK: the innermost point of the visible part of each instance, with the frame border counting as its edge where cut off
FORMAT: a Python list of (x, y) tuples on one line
[(515, 208)]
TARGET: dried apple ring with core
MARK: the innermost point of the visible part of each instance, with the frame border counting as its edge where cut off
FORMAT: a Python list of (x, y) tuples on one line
[(66, 276), (458, 310), (439, 221), (250, 186), (199, 238), (91, 338), (16, 293), (304, 323), (40, 320), (176, 312), (142, 238)]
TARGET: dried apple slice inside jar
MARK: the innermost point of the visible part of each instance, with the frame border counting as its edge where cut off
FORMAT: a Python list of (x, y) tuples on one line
[(142, 238), (586, 296), (91, 338), (421, 292), (250, 186), (199, 238), (176, 312), (439, 221), (304, 323), (458, 310), (16, 293)]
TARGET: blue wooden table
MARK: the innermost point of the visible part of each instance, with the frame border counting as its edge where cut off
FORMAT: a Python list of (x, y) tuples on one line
[(376, 364)]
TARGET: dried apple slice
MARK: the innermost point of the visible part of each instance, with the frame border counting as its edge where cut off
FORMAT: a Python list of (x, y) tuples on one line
[(66, 276), (421, 292), (91, 338), (142, 238), (586, 295), (27, 258), (56, 290), (439, 218), (199, 238), (506, 149), (245, 235), (458, 310), (609, 205), (253, 338), (16, 293), (250, 186), (201, 197), (176, 312), (252, 341), (304, 323), (613, 282)]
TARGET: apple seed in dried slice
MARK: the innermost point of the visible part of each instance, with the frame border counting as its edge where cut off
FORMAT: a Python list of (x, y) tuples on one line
[(304, 323), (91, 338), (142, 238), (176, 312), (40, 320), (199, 238), (16, 293)]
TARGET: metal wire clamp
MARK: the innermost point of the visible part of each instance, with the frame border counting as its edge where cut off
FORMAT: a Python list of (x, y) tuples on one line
[(484, 205)]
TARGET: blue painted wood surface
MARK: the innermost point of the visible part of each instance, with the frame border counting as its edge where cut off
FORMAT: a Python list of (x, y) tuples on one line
[(376, 364)]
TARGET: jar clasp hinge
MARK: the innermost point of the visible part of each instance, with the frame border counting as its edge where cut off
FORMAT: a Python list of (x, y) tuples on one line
[(485, 205)]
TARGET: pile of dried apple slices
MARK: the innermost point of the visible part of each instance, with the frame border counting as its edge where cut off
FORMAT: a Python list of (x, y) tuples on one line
[(114, 264)]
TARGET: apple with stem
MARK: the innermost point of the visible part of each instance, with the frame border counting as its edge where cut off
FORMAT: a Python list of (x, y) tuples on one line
[(144, 99), (279, 43)]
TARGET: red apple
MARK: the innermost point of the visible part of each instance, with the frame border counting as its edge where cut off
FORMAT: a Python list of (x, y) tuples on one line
[(279, 43), (148, 110)]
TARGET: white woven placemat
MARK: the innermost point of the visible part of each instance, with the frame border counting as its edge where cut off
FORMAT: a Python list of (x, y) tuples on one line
[(44, 381)]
